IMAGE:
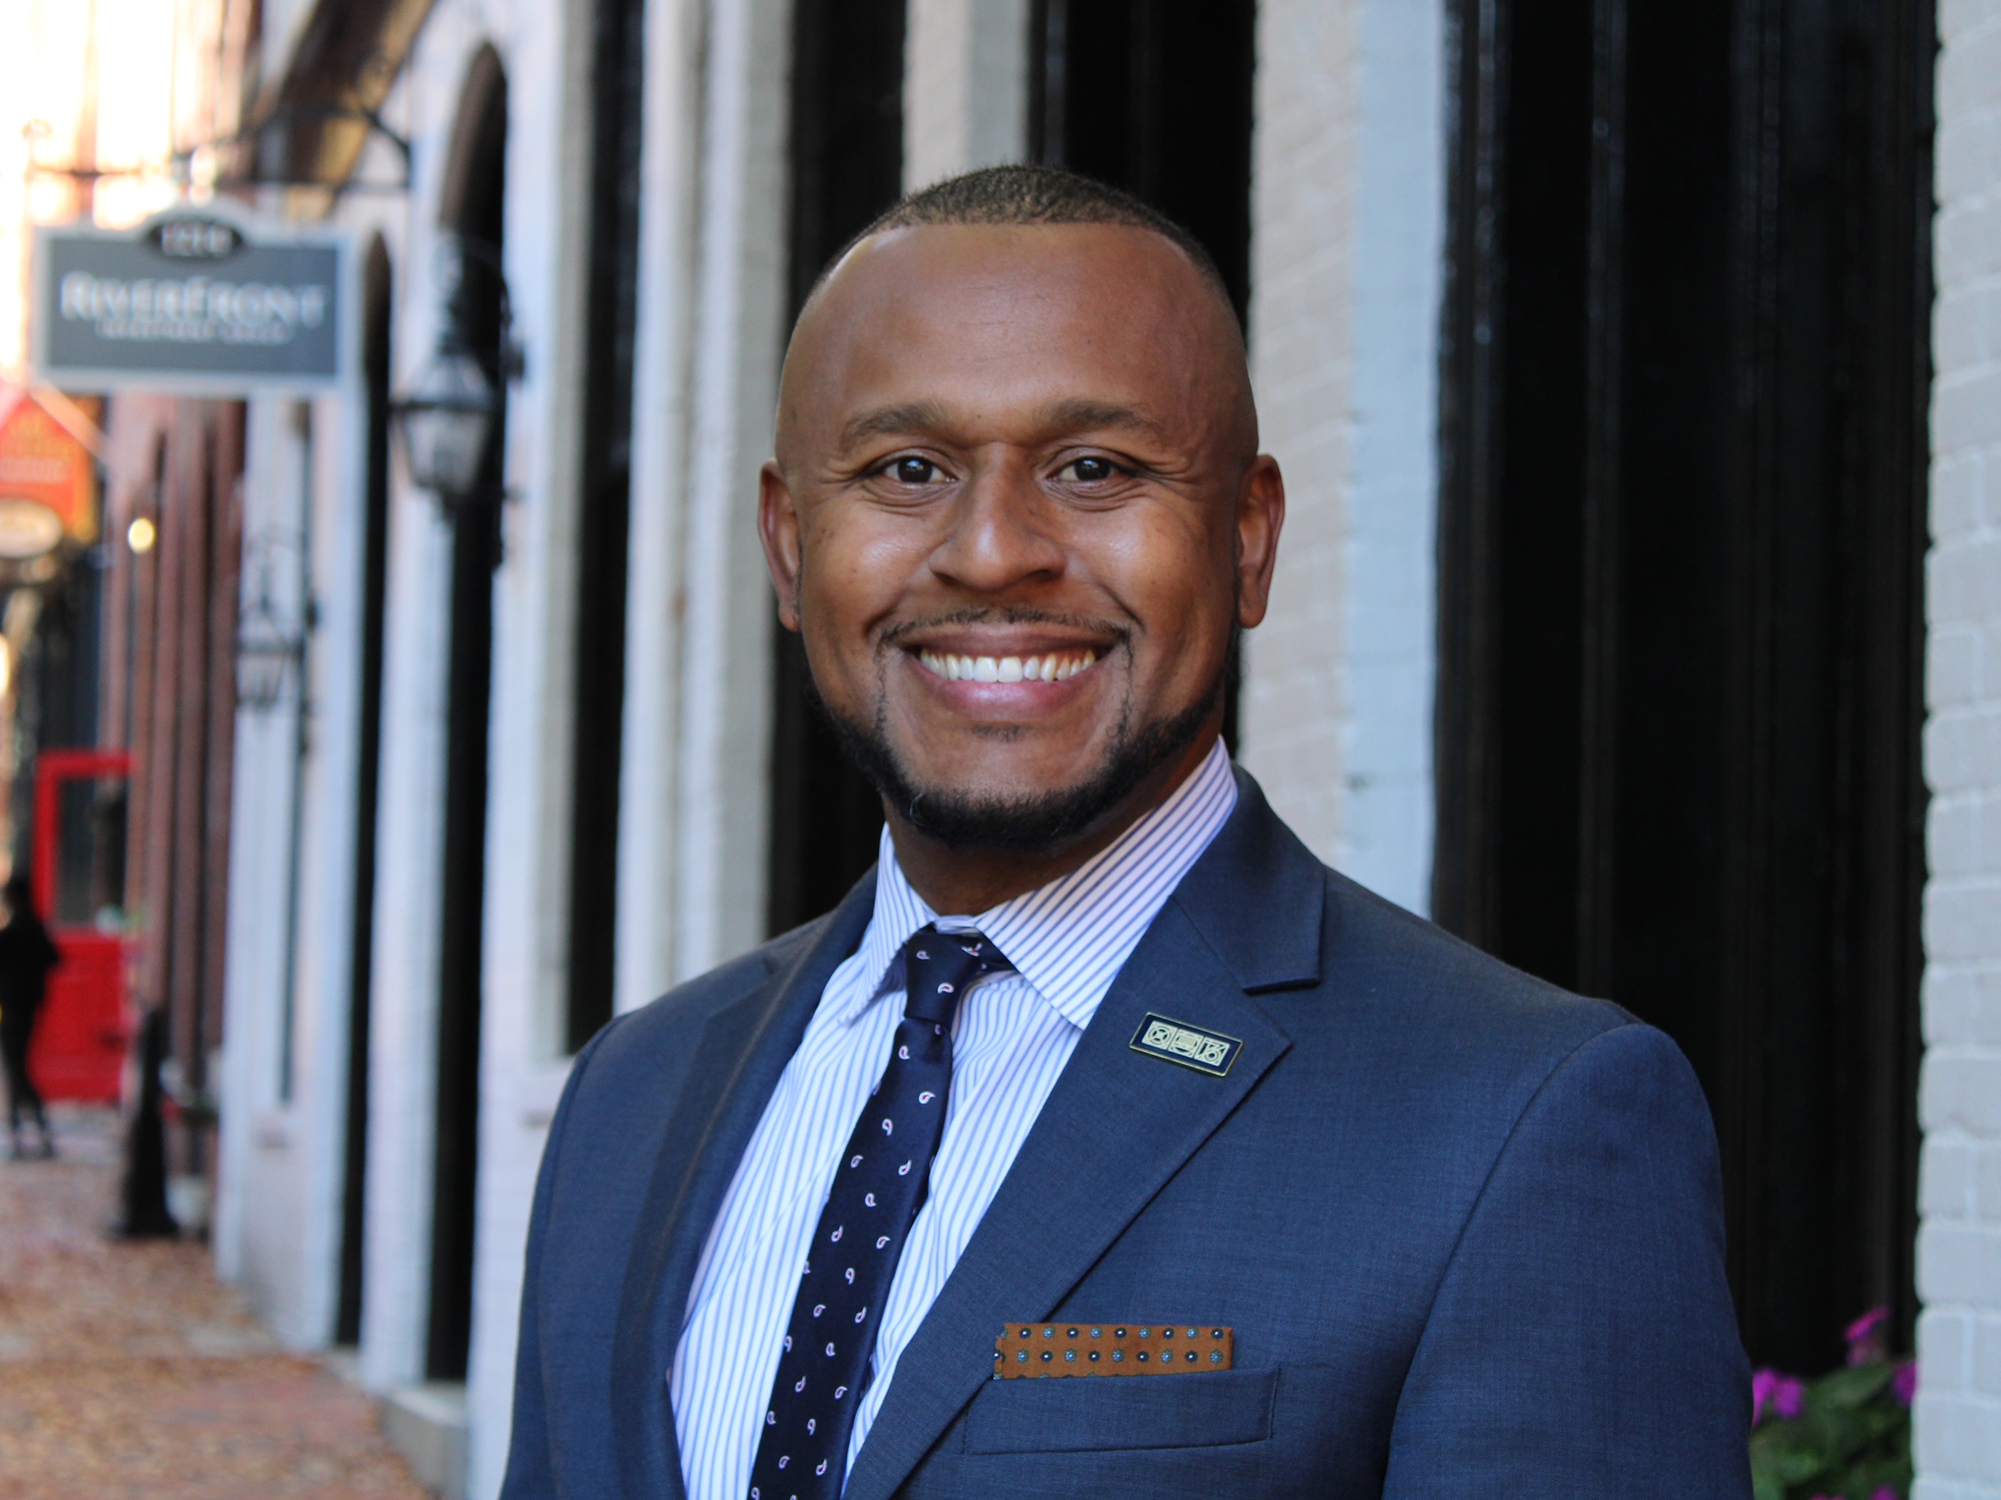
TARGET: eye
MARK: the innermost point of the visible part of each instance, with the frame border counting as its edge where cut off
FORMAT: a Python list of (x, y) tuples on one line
[(1091, 470), (913, 470)]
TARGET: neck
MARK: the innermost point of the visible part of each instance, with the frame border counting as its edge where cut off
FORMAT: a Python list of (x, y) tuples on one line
[(962, 882)]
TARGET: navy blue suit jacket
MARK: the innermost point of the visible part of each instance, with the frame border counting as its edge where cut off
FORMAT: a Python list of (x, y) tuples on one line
[(1467, 1227)]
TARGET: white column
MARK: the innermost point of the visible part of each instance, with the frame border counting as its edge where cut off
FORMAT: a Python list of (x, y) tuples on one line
[(1348, 223), (280, 1180), (257, 1199), (649, 762), (409, 825), (965, 87), (525, 933), (404, 1010), (727, 618), (1958, 1415)]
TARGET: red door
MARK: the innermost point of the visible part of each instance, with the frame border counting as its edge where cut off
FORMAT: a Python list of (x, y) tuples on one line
[(80, 1041)]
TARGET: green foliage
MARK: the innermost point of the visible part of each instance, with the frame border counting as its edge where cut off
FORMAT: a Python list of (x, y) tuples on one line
[(1850, 1441)]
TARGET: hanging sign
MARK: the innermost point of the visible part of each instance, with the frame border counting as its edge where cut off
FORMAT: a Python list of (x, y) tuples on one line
[(190, 304), (48, 481)]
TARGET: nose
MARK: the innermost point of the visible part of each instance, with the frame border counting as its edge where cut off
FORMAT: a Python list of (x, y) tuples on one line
[(1000, 529)]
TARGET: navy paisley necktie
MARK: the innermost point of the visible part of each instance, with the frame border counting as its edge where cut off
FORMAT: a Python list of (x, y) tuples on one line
[(802, 1453)]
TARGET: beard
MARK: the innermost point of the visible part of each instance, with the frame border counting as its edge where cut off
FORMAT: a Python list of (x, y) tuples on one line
[(1035, 823)]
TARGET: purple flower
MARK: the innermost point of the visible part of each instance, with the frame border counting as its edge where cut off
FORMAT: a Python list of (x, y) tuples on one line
[(1781, 1395), (1886, 1493), (1865, 1337), (1905, 1382), (1762, 1382)]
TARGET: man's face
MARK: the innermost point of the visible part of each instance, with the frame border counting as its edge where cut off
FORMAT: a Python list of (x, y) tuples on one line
[(1017, 513)]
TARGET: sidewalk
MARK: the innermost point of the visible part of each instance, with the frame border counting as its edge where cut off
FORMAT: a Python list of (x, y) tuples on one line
[(126, 1371)]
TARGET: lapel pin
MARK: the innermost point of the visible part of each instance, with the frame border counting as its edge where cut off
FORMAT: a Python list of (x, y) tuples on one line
[(1177, 1042)]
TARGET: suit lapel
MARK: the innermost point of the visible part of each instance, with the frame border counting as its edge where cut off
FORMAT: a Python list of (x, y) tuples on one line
[(743, 1049), (1116, 1127)]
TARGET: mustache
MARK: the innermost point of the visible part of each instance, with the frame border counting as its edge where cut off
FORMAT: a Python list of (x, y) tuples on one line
[(1119, 632)]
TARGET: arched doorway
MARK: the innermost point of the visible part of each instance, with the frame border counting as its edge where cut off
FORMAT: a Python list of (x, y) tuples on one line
[(377, 301), (1681, 541), (472, 212)]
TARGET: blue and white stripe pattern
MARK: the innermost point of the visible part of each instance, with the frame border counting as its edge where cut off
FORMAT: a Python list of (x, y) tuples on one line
[(1010, 1041)]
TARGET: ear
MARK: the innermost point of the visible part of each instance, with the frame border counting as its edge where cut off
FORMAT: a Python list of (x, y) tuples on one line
[(778, 530), (1260, 517)]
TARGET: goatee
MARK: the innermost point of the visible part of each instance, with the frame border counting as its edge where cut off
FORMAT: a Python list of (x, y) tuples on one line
[(1030, 824)]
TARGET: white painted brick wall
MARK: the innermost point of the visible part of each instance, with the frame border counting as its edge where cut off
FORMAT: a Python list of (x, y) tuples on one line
[(965, 88), (1347, 221), (1958, 1434), (1302, 363)]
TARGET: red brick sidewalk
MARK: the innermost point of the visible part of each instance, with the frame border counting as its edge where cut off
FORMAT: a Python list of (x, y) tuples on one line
[(125, 1370)]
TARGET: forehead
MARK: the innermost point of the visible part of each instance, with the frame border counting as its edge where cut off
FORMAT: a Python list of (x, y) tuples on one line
[(999, 317)]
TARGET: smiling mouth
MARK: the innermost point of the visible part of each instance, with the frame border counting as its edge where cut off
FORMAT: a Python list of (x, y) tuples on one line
[(1054, 667)]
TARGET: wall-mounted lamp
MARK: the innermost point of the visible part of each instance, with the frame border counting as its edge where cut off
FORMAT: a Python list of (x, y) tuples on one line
[(447, 420), (264, 653), (450, 416)]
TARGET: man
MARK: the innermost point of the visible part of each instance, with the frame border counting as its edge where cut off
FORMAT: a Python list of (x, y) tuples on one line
[(1099, 1066)]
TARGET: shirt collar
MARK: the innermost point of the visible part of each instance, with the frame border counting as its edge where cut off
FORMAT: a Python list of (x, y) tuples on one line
[(1068, 938)]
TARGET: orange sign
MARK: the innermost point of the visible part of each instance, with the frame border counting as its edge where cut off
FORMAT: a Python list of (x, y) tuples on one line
[(48, 483)]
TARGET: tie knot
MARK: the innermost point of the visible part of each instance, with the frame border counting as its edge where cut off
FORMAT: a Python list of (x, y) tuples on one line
[(939, 967)]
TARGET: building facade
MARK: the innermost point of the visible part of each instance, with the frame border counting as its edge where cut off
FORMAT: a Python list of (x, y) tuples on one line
[(546, 752), (1959, 1248)]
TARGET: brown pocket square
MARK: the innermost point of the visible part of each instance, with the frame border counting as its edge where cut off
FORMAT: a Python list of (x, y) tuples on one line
[(1027, 1350)]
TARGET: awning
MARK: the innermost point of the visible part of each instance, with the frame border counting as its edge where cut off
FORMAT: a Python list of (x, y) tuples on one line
[(309, 129)]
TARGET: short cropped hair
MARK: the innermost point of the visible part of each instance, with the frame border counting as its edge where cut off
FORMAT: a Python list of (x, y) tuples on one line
[(1031, 195)]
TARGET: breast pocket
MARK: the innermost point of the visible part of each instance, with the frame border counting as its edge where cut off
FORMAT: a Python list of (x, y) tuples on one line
[(1087, 1414)]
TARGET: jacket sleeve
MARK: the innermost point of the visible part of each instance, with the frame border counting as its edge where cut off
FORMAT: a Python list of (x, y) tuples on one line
[(1583, 1341), (531, 1469)]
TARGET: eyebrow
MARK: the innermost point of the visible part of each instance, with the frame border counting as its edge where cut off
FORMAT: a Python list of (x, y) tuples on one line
[(1070, 416), (887, 421), (1066, 416)]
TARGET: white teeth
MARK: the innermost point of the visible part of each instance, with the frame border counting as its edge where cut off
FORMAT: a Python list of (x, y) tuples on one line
[(1050, 668)]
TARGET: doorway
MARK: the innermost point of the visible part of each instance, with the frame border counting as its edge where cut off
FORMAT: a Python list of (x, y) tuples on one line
[(847, 167), (605, 506), (1682, 519), (473, 212), (376, 304), (1153, 96), (1156, 97)]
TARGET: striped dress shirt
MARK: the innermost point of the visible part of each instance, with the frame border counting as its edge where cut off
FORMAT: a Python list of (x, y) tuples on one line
[(1010, 1040)]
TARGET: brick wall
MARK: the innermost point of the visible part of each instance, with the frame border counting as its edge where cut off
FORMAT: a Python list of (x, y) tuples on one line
[(1348, 195), (1302, 341), (1959, 1250), (965, 87)]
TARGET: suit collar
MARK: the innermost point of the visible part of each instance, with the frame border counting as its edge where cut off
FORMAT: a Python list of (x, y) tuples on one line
[(1119, 1123), (1258, 897), (742, 1050)]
